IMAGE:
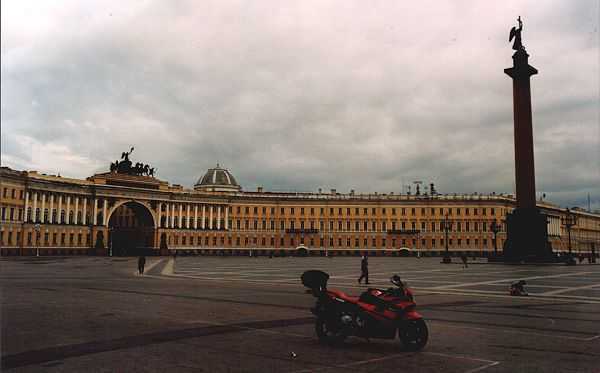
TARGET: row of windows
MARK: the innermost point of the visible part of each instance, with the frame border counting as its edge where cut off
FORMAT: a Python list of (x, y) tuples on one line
[(12, 214), (63, 217), (12, 192), (348, 242), (363, 225), (14, 238), (373, 210), (366, 226)]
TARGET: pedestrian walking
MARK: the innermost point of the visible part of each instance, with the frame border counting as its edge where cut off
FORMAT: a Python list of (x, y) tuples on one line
[(174, 254), (141, 264), (464, 260), (364, 270)]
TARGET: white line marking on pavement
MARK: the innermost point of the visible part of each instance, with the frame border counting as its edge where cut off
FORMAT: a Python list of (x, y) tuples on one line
[(509, 331), (509, 280), (168, 269), (565, 290)]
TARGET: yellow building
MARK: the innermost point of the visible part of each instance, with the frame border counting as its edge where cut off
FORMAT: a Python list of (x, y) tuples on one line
[(117, 213)]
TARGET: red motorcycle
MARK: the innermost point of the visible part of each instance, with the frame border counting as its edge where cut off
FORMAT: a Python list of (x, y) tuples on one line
[(375, 314)]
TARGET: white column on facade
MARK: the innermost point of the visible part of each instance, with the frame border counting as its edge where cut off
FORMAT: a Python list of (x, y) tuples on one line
[(219, 217), (104, 217), (95, 217), (159, 214), (187, 217), (180, 224), (43, 207), (210, 217), (76, 210), (226, 217), (84, 213), (33, 212), (26, 206), (50, 209), (195, 216), (203, 216), (58, 215), (173, 215), (167, 214), (68, 209)]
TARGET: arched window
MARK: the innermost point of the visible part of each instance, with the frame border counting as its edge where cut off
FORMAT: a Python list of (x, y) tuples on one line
[(37, 215), (71, 217), (54, 216), (45, 215), (29, 214), (62, 217), (79, 215)]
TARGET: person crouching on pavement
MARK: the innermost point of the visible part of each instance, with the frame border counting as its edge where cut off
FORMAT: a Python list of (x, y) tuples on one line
[(364, 269)]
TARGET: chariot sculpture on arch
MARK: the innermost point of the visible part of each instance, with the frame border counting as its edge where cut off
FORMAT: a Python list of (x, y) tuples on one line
[(124, 166)]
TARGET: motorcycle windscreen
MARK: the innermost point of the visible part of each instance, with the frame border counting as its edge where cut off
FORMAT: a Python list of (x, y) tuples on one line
[(315, 279)]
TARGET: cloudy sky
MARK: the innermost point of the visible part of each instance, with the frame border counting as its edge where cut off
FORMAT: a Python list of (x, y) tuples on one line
[(300, 95)]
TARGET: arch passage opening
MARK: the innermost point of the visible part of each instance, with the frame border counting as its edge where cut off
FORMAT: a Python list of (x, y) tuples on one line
[(131, 230)]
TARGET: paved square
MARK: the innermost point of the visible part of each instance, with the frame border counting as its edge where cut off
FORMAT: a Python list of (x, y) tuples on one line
[(211, 314)]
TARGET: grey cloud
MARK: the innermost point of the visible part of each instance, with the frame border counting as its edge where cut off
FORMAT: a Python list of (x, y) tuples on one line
[(299, 96)]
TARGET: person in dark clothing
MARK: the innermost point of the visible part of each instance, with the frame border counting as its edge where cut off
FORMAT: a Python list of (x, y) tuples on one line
[(464, 260), (364, 269), (141, 264)]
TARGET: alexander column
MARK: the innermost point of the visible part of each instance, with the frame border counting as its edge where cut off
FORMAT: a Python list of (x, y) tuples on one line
[(527, 234)]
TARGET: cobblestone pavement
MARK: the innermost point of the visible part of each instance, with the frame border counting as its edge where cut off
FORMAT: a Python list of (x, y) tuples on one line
[(209, 314)]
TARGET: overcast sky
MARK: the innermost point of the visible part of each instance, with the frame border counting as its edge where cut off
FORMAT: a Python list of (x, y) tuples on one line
[(300, 95)]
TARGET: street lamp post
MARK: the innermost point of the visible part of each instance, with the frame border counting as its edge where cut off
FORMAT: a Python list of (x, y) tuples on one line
[(495, 227), (37, 239), (447, 227), (110, 237), (569, 220)]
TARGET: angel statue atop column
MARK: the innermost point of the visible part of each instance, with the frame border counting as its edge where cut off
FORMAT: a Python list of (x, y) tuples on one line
[(516, 34)]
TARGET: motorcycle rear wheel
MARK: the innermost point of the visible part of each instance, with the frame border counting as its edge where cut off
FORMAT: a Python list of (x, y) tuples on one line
[(414, 335), (327, 333)]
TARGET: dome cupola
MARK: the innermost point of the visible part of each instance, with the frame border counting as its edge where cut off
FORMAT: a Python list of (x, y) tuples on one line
[(217, 180)]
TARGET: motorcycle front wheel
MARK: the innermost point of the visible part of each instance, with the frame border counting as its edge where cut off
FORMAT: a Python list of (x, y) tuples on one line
[(414, 335), (328, 333)]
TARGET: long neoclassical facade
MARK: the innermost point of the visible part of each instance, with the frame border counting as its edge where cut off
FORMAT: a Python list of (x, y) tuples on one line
[(117, 213)]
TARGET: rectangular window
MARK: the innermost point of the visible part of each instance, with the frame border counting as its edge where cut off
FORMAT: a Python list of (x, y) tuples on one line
[(457, 211), (301, 210), (413, 211), (312, 211), (255, 210), (467, 211), (292, 211), (403, 211), (393, 211)]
